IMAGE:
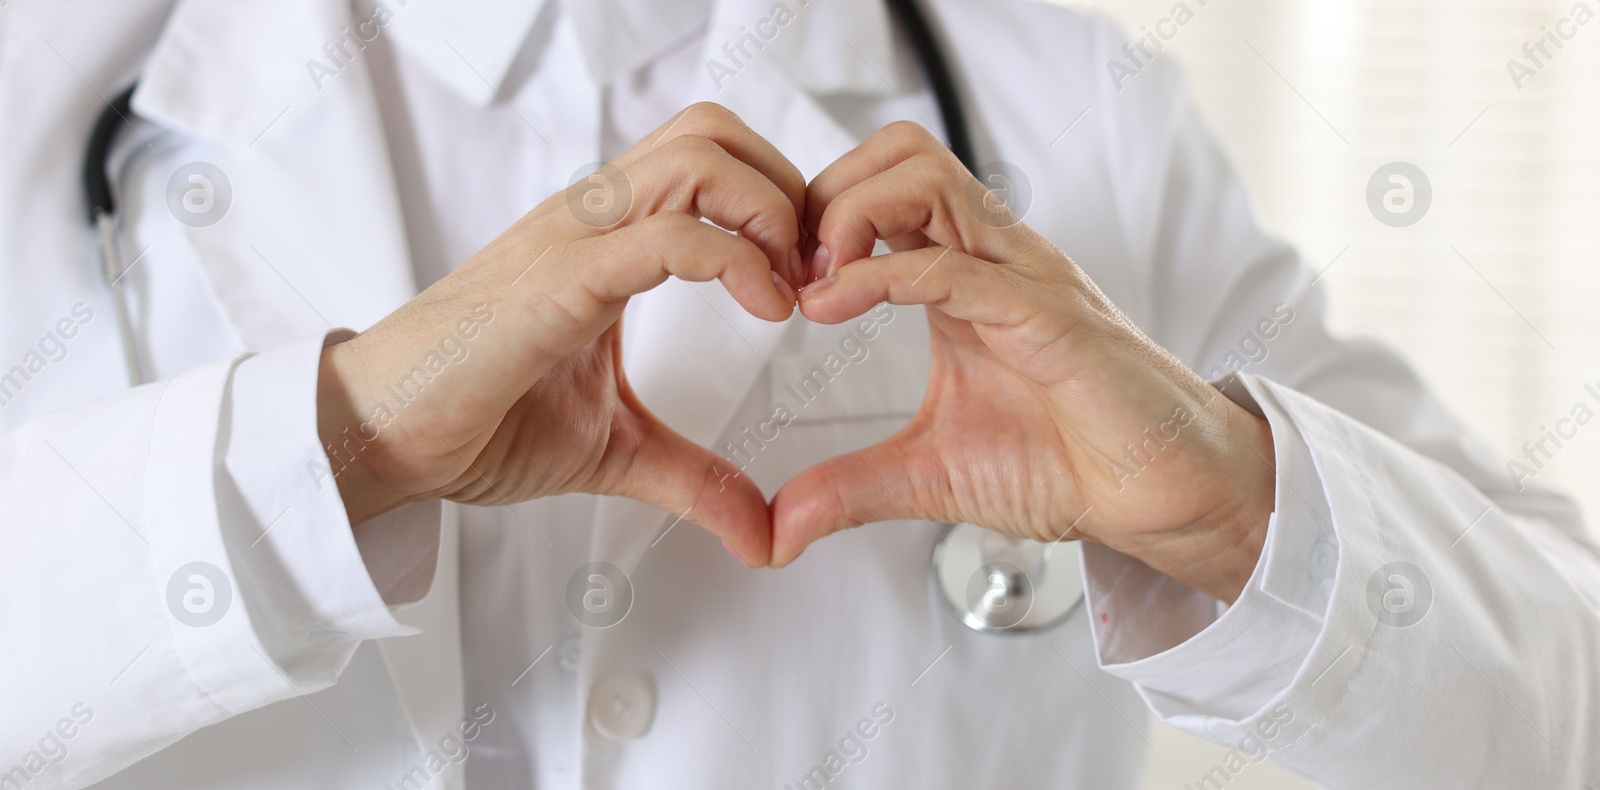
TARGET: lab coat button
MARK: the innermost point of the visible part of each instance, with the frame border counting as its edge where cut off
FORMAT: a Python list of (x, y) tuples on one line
[(622, 705), (568, 653)]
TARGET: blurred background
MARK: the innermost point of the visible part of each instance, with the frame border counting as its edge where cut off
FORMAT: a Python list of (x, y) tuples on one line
[(1491, 294)]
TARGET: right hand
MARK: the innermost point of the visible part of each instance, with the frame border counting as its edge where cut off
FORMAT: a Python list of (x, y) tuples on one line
[(539, 404)]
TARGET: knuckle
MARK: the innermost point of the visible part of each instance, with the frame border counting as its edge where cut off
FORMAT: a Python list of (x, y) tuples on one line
[(926, 165), (710, 113), (840, 215), (669, 223), (694, 144), (907, 133), (939, 166)]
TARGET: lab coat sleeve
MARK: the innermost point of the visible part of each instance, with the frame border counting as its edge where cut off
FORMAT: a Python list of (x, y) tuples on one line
[(176, 555), (1419, 616)]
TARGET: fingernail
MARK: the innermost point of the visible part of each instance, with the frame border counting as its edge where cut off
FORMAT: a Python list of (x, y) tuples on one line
[(785, 290), (820, 261), (812, 289), (796, 274), (736, 556)]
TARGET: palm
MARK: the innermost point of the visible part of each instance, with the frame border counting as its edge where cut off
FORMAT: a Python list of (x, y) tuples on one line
[(582, 418), (1022, 430), (1013, 475), (580, 428)]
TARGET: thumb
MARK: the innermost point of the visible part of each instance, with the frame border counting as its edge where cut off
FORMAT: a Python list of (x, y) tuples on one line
[(692, 483), (882, 482)]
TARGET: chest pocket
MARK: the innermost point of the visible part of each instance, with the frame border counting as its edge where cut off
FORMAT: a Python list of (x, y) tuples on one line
[(871, 367)]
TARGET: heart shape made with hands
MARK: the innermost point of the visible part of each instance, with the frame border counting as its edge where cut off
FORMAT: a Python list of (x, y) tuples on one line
[(1039, 387)]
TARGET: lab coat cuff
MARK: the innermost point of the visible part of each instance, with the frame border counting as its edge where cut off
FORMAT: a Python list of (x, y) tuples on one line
[(313, 587), (1185, 651), (206, 577)]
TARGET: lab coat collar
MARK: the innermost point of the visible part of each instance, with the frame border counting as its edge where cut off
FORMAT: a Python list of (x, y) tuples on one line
[(826, 46), (822, 46), (231, 70)]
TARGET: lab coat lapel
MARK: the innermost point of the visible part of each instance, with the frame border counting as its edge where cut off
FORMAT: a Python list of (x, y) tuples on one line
[(691, 352), (313, 238)]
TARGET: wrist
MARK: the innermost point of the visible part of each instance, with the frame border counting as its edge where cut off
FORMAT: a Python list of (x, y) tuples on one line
[(1218, 552), (350, 439)]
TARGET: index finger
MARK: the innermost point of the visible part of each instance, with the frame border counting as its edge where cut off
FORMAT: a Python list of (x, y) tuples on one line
[(725, 128)]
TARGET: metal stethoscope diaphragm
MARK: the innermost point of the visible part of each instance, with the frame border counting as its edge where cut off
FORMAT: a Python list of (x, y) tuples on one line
[(996, 583)]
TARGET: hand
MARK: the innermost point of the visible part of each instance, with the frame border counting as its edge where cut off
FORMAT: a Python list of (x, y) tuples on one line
[(1040, 390), (515, 357)]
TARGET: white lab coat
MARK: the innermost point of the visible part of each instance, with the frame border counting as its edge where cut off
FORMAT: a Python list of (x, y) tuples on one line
[(106, 492)]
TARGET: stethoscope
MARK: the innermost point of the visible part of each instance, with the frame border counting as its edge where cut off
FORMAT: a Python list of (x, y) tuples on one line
[(103, 218), (992, 582)]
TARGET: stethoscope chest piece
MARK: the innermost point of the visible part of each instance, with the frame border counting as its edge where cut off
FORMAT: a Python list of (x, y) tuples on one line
[(995, 583)]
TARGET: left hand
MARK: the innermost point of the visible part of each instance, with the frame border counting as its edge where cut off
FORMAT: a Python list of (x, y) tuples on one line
[(1048, 414)]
